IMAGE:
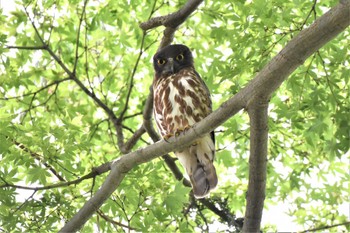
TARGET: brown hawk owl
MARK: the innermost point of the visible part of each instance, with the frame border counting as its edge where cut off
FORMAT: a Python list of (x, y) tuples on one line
[(181, 99)]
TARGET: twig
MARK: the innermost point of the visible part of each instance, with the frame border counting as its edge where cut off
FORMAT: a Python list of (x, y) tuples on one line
[(108, 219), (313, 9), (326, 227), (26, 47), (171, 21), (95, 172), (38, 157), (78, 37), (37, 91), (25, 202)]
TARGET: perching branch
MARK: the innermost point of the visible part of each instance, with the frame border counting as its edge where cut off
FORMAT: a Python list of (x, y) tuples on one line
[(261, 87)]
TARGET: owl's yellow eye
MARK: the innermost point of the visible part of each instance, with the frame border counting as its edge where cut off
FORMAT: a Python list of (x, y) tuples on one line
[(161, 61), (180, 57)]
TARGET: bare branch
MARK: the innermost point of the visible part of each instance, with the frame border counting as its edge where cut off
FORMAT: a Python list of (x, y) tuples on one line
[(131, 85), (26, 47), (326, 227), (223, 214), (258, 113), (133, 140), (172, 20), (37, 91), (108, 219), (78, 37), (38, 157), (95, 172)]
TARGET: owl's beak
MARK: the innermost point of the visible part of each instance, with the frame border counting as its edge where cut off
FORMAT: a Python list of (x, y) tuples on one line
[(169, 67)]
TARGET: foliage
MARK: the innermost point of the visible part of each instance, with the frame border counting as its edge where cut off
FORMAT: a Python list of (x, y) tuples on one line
[(52, 130)]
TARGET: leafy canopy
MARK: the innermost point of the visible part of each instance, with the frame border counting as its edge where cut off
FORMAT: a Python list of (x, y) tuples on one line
[(52, 130)]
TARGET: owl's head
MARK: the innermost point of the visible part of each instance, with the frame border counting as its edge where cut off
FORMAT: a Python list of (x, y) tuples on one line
[(171, 59)]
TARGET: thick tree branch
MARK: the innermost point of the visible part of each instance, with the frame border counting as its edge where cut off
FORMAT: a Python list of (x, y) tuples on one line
[(266, 82), (172, 20), (258, 114)]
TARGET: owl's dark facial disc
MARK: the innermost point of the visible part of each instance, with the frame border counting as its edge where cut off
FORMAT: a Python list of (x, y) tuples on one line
[(171, 59)]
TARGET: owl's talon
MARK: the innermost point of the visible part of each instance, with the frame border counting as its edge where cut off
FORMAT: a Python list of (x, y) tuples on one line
[(167, 136), (187, 127), (182, 130)]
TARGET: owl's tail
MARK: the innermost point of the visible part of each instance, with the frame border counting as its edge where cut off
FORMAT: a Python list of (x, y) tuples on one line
[(198, 162)]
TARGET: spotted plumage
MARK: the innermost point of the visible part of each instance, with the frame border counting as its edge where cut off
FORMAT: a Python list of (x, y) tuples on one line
[(181, 99)]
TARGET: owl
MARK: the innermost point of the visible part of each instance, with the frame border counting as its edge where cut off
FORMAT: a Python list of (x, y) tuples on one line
[(182, 99)]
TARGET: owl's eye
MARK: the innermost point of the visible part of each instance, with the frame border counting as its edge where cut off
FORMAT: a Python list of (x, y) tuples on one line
[(161, 61), (180, 57)]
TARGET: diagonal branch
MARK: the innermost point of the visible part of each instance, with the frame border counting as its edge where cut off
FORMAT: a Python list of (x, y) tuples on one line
[(267, 81), (39, 158)]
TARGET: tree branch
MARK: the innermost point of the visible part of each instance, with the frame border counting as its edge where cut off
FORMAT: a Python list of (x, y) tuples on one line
[(39, 90), (78, 37), (38, 158), (108, 219), (266, 82), (95, 172), (326, 227), (172, 20), (26, 47), (258, 114)]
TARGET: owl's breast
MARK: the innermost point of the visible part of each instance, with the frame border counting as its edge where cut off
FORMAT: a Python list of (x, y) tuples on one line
[(180, 101)]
